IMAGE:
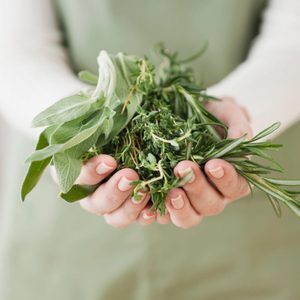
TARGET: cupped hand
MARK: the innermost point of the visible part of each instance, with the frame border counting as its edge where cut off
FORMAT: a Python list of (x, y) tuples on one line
[(211, 189), (113, 199), (206, 194)]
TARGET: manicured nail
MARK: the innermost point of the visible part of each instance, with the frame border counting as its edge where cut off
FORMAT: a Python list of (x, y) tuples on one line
[(147, 215), (177, 202), (217, 172), (103, 168), (124, 184), (186, 171), (142, 197)]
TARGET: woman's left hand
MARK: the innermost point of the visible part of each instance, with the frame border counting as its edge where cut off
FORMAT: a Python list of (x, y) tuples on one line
[(208, 195)]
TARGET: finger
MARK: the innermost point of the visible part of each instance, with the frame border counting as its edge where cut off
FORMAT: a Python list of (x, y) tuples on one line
[(128, 212), (111, 194), (233, 115), (204, 198), (96, 169), (226, 179), (146, 216), (181, 212), (163, 219)]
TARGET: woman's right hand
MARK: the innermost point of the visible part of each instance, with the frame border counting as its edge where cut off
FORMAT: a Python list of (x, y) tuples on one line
[(113, 199)]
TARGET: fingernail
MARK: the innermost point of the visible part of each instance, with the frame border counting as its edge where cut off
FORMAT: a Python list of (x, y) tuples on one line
[(147, 215), (186, 171), (142, 197), (124, 184), (217, 172), (103, 168), (177, 202)]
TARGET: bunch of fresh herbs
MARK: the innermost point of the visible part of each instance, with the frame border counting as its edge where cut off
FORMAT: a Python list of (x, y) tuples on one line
[(149, 119)]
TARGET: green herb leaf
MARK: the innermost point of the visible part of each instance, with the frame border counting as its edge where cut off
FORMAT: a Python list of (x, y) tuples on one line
[(266, 131), (88, 77), (44, 153), (275, 204), (67, 169), (285, 182), (78, 192), (64, 110), (36, 169)]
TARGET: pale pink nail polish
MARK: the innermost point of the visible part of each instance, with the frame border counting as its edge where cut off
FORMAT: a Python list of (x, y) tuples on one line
[(124, 184), (217, 172), (186, 171), (177, 202), (103, 168)]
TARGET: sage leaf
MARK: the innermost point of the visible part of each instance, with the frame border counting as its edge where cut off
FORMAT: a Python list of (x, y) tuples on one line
[(78, 192), (64, 110), (67, 169), (107, 127), (88, 77), (37, 168), (44, 153)]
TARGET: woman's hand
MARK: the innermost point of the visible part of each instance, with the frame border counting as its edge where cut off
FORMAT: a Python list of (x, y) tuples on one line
[(113, 199), (208, 196), (186, 206)]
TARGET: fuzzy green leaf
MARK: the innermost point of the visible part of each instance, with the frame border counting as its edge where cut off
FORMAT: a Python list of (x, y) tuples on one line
[(78, 192), (37, 168), (88, 77), (44, 153), (67, 169), (64, 110)]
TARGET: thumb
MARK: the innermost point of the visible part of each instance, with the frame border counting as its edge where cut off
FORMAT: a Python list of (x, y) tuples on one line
[(233, 115), (93, 171)]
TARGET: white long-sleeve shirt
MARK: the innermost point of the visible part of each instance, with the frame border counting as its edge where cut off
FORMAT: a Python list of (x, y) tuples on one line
[(35, 71)]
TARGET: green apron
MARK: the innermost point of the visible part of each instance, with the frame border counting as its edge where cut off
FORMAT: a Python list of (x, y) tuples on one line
[(53, 250)]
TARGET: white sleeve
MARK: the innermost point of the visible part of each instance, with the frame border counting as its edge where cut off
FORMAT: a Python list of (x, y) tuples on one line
[(268, 82), (34, 66)]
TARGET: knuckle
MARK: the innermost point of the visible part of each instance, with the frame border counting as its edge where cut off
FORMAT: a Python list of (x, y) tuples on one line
[(197, 185), (112, 199)]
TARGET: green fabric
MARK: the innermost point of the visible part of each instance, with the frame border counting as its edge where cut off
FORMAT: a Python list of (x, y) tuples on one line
[(53, 250), (134, 26)]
